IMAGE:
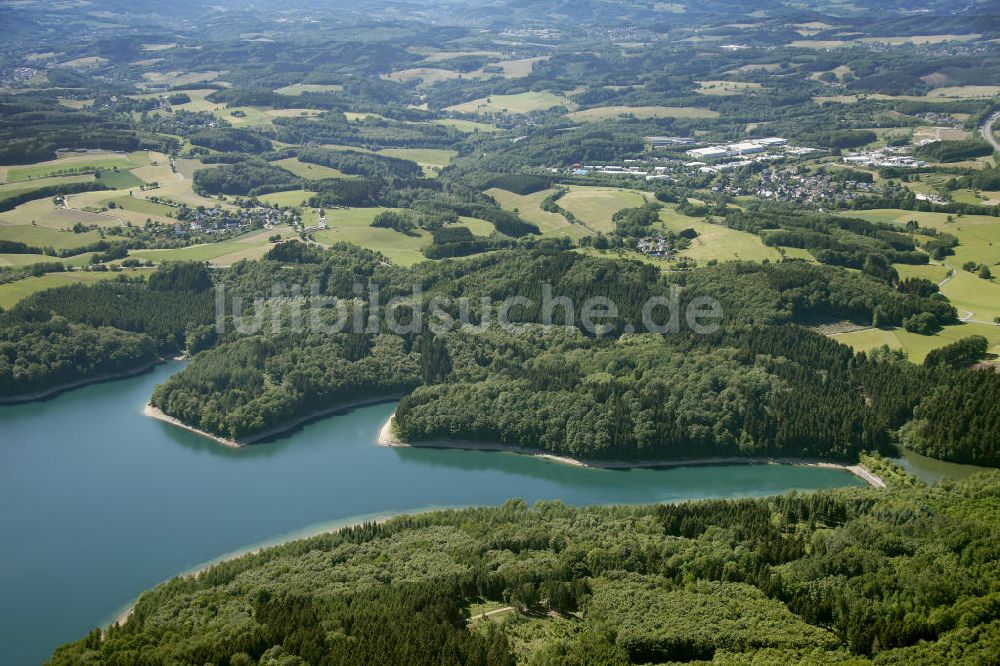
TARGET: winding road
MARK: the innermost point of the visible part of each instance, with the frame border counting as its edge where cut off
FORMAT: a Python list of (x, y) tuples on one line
[(987, 131)]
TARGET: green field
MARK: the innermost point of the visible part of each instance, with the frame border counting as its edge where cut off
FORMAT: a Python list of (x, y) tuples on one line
[(527, 206), (594, 206), (717, 242), (469, 126), (74, 164), (971, 294), (37, 236), (353, 225), (933, 272), (309, 171), (978, 235), (287, 198), (918, 346), (520, 103), (13, 292), (252, 245), (427, 76), (433, 158), (8, 190), (46, 214), (297, 89), (120, 180), (726, 87), (606, 112)]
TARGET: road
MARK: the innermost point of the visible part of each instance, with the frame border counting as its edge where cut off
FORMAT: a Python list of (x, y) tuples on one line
[(987, 131)]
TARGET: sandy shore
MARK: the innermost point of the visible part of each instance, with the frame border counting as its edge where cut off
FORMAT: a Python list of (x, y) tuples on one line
[(277, 430), (86, 381), (388, 438)]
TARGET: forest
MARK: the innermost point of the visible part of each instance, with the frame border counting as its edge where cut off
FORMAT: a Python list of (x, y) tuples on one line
[(761, 386), (899, 575)]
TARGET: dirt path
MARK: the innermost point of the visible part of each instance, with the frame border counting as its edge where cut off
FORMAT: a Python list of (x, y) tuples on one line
[(495, 611)]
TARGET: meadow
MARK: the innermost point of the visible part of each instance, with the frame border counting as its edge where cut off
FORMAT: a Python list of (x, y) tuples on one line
[(595, 206), (516, 104), (717, 242), (605, 112), (251, 245), (353, 225), (527, 206), (469, 126), (309, 171), (13, 292), (74, 164)]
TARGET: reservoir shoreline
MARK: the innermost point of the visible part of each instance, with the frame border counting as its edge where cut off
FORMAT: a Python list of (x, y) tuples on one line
[(386, 437), (319, 530), (276, 431), (55, 391)]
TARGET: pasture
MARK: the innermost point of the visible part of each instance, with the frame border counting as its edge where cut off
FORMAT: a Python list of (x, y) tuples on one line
[(594, 206), (719, 87), (434, 158), (917, 346), (13, 292), (298, 89), (468, 126), (309, 171), (68, 164), (251, 245), (287, 198), (353, 225), (527, 206), (520, 103), (716, 241), (605, 112)]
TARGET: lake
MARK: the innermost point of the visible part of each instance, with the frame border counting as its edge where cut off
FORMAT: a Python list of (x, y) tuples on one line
[(100, 502)]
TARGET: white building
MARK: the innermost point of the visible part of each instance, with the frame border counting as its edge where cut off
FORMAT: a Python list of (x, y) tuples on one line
[(709, 153), (745, 148)]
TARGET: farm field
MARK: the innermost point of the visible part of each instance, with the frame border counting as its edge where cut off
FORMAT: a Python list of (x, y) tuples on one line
[(594, 206), (434, 158), (13, 292), (37, 236), (918, 346), (978, 235), (287, 198), (606, 112), (469, 126), (550, 224), (427, 76), (971, 294), (251, 245), (353, 225), (174, 186), (8, 190), (198, 101), (178, 79), (432, 54), (726, 87), (309, 171), (73, 164), (46, 214), (918, 39), (298, 89), (516, 104), (717, 242)]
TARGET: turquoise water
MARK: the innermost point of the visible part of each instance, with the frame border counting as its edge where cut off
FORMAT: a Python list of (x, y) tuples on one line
[(99, 502)]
